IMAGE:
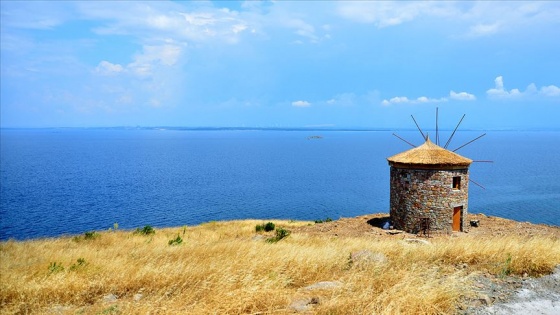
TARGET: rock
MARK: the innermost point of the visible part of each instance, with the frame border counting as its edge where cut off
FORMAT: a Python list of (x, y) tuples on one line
[(138, 296), (301, 305), (323, 285), (304, 304), (110, 298), (485, 300)]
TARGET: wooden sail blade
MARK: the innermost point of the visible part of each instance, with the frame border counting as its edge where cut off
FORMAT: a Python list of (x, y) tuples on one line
[(394, 134), (423, 136), (470, 180), (437, 133), (451, 137), (473, 140)]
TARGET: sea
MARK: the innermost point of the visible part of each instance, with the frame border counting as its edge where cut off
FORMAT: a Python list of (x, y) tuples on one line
[(66, 181)]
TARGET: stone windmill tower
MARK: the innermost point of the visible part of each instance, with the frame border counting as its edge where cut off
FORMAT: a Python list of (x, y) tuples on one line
[(429, 187), (429, 184)]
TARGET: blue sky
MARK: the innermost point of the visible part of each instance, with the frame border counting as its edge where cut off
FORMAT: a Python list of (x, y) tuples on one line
[(364, 64)]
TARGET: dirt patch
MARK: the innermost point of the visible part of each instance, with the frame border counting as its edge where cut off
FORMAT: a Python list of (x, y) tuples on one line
[(372, 225)]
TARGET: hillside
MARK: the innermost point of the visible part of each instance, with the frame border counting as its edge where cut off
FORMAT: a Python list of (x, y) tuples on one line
[(346, 266)]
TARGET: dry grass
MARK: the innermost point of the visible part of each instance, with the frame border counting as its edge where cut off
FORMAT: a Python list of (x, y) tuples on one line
[(222, 268)]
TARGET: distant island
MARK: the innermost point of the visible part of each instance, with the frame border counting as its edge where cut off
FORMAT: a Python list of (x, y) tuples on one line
[(314, 137)]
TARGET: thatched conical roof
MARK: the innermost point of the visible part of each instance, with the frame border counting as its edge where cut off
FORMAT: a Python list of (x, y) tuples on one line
[(429, 155)]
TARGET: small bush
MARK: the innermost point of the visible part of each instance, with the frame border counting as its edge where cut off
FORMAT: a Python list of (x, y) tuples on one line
[(323, 221), (90, 235), (81, 262), (280, 234), (269, 226), (176, 241), (506, 268), (55, 267), (146, 230)]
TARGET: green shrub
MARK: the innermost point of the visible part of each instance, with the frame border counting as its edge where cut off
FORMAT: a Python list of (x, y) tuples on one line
[(146, 230), (176, 241), (90, 235), (280, 234), (322, 221), (506, 268), (55, 267), (269, 227), (81, 262)]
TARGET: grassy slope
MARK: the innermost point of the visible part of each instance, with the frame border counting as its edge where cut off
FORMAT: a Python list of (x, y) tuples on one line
[(222, 268)]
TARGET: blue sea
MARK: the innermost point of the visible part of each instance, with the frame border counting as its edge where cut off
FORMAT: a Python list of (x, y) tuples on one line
[(68, 181)]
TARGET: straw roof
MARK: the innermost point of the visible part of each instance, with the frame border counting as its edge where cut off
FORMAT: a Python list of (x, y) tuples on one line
[(429, 155)]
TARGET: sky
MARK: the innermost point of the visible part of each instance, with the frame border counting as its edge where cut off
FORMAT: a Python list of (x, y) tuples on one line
[(327, 64)]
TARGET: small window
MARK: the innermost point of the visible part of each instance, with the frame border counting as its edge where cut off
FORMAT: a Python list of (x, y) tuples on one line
[(457, 182)]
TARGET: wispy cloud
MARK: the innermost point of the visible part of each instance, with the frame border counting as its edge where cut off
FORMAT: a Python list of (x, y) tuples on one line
[(390, 13), (483, 29), (107, 68), (474, 19)]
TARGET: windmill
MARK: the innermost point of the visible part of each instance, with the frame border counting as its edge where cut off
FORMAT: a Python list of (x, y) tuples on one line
[(429, 185)]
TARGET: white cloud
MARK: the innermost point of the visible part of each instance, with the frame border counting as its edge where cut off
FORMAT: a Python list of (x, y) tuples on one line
[(475, 19), (399, 99), (550, 90), (107, 68), (500, 92), (389, 13), (301, 104), (461, 96), (406, 100)]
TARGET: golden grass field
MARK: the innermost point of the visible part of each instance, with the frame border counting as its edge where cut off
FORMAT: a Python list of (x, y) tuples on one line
[(228, 268)]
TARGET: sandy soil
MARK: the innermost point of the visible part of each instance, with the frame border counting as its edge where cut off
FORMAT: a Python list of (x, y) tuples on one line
[(508, 295), (371, 225)]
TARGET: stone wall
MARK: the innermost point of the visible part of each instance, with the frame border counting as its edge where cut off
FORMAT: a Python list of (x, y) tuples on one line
[(417, 193)]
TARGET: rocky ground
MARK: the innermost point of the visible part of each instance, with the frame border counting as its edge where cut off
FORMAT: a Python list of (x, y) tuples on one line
[(496, 295)]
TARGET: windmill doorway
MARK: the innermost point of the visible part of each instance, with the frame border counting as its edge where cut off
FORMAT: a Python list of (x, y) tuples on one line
[(457, 215)]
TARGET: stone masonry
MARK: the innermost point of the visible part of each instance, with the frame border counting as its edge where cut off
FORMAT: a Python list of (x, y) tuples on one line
[(427, 193)]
